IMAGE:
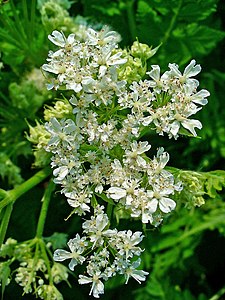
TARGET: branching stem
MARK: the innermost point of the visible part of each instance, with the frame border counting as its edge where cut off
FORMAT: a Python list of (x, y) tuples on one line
[(18, 191)]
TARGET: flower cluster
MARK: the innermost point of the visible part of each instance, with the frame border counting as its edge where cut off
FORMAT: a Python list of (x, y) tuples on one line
[(97, 146), (105, 251), (166, 102), (35, 273), (32, 275), (87, 67), (144, 187), (95, 149)]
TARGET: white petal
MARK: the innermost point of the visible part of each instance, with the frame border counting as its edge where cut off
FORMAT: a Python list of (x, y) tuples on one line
[(49, 68), (152, 205), (77, 87), (84, 279), (57, 38), (72, 264), (191, 69), (61, 172), (97, 288), (60, 255), (174, 69), (117, 193), (190, 124), (166, 205), (71, 38), (102, 71), (200, 97), (139, 275), (146, 218), (174, 128), (155, 72), (147, 120)]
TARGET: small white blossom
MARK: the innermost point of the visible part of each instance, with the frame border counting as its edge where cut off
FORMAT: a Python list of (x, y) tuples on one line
[(97, 285), (77, 247), (130, 270)]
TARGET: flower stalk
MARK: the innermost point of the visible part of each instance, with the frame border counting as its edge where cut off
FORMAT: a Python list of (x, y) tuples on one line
[(44, 209)]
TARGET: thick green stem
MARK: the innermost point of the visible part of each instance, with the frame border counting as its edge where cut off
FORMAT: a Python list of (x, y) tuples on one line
[(131, 19), (5, 222), (3, 193), (14, 194), (44, 209)]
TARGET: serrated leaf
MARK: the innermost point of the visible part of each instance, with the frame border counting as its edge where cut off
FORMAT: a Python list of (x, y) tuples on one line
[(214, 182), (197, 10), (200, 39)]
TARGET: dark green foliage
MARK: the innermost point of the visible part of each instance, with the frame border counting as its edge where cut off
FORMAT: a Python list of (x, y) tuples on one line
[(187, 29)]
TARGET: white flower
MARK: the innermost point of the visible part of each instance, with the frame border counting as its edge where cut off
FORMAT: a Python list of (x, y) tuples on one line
[(131, 271), (129, 189), (126, 243), (79, 200), (64, 133), (158, 197), (96, 228), (60, 40), (190, 71), (76, 246), (97, 285), (103, 37)]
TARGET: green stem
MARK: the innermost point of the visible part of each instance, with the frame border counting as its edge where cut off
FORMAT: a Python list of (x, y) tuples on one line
[(44, 209), (172, 23), (5, 222), (218, 295), (18, 191), (46, 259), (109, 210), (3, 193), (131, 19)]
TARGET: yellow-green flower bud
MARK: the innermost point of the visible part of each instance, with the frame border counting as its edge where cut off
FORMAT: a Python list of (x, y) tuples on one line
[(38, 135), (60, 110), (143, 50)]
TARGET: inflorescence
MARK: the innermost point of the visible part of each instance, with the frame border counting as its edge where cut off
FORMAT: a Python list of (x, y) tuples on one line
[(96, 152)]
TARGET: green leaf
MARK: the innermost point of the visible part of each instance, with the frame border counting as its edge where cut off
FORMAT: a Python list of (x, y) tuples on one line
[(178, 25), (215, 182), (154, 288), (58, 240), (4, 276), (199, 39), (197, 10), (105, 198)]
